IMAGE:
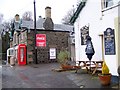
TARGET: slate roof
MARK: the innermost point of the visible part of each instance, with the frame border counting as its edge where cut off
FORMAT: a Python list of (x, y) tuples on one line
[(39, 25), (28, 24), (63, 27)]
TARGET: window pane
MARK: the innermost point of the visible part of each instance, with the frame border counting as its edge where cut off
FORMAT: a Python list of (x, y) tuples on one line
[(11, 52), (109, 3), (116, 1)]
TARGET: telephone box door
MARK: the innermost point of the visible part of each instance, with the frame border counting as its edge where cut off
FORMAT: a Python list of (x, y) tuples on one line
[(22, 54)]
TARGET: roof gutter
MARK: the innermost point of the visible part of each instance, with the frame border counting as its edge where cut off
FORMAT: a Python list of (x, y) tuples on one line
[(76, 14)]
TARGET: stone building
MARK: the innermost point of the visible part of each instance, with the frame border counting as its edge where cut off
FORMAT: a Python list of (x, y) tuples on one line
[(57, 36)]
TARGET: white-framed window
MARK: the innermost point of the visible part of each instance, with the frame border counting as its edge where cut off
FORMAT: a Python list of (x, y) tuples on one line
[(11, 52), (116, 2), (110, 3)]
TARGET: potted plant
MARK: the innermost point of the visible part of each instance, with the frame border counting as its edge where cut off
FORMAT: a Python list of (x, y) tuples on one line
[(63, 58), (105, 76)]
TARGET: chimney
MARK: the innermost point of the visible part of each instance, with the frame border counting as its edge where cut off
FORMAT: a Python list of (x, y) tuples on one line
[(48, 12), (48, 23)]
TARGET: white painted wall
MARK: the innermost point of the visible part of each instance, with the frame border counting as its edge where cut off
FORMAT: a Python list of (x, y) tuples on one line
[(91, 14), (108, 21)]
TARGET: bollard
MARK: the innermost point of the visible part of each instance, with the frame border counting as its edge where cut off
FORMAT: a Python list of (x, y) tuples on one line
[(12, 61)]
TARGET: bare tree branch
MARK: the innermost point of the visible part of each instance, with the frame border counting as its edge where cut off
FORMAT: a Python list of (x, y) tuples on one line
[(1, 18), (67, 17), (70, 13), (27, 16)]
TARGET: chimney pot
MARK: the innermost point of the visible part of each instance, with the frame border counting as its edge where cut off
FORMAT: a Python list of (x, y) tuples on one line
[(48, 7), (48, 12)]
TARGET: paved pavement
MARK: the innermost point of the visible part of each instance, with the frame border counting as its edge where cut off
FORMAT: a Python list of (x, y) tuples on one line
[(0, 77), (42, 76)]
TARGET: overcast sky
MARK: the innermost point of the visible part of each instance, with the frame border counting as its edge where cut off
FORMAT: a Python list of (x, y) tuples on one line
[(59, 8)]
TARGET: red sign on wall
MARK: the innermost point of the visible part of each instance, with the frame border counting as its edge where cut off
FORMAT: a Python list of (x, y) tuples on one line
[(41, 40)]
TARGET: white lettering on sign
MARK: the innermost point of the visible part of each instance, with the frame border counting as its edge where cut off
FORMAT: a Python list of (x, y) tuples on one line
[(40, 43), (40, 38)]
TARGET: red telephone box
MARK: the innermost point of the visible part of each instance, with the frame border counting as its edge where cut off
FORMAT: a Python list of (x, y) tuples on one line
[(22, 54)]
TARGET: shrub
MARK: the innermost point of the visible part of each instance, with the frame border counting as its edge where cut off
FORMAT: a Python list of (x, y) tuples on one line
[(63, 57)]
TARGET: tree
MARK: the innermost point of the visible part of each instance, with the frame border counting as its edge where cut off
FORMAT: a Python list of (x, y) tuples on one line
[(6, 26), (5, 30), (68, 16), (5, 38), (27, 16), (70, 13), (5, 45), (1, 18)]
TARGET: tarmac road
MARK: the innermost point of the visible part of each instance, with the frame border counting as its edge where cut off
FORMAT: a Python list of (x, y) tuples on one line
[(38, 76), (42, 76)]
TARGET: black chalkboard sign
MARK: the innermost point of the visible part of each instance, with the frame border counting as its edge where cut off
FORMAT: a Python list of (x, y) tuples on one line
[(109, 41), (84, 33)]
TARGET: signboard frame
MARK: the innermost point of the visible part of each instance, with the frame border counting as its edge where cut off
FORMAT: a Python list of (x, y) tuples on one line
[(109, 41), (52, 53), (84, 33), (41, 40)]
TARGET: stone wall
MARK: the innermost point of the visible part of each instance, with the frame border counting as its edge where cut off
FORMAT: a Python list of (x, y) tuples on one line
[(30, 45), (54, 39)]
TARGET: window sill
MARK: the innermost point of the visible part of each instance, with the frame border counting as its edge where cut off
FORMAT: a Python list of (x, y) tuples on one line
[(108, 8)]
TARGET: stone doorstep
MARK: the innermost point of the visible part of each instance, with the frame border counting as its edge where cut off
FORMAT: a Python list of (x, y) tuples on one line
[(116, 86)]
